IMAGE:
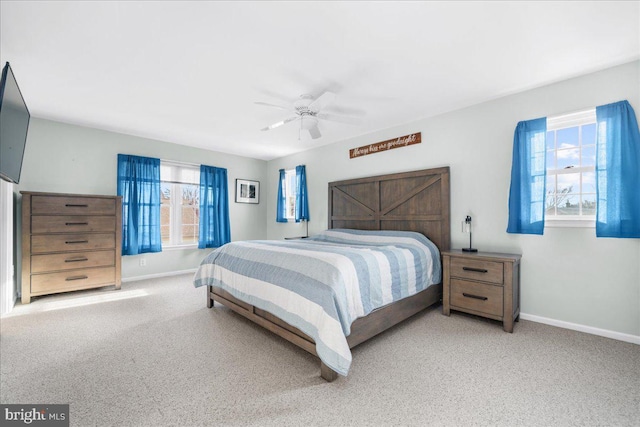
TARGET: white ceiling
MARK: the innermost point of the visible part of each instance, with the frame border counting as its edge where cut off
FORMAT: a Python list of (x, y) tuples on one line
[(190, 72)]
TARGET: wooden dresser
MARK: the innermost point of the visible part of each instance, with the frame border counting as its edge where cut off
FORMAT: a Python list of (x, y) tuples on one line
[(482, 283), (69, 242)]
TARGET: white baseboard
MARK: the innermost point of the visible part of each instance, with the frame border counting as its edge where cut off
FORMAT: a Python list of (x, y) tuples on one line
[(634, 339), (158, 275)]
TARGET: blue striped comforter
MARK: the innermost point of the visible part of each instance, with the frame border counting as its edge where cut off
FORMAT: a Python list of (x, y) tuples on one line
[(322, 284)]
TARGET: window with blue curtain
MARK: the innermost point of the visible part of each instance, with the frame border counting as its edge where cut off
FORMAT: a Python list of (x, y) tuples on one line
[(281, 203), (302, 199), (139, 186), (215, 228), (617, 171), (528, 178), (293, 199)]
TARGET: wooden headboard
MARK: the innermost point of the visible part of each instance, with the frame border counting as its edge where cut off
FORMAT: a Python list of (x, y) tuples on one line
[(412, 201)]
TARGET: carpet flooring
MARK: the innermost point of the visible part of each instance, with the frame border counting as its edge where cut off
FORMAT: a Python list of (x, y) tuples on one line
[(152, 354)]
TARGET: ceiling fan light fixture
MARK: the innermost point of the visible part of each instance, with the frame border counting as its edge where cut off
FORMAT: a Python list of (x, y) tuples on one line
[(308, 122)]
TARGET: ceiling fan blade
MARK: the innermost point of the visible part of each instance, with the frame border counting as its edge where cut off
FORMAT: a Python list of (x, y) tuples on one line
[(341, 119), (285, 121), (315, 132), (322, 101), (271, 105)]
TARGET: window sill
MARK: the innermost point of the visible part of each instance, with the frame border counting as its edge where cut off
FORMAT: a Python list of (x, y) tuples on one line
[(570, 223)]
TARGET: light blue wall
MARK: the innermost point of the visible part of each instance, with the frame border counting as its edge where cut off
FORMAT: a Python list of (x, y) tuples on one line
[(567, 275), (64, 158)]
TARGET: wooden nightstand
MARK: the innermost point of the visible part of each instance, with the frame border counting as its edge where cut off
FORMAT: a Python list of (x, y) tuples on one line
[(482, 283)]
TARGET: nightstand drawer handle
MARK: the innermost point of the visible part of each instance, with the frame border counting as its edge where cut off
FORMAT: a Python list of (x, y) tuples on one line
[(76, 259), (71, 205), (76, 223), (70, 242), (477, 270), (76, 278), (474, 296)]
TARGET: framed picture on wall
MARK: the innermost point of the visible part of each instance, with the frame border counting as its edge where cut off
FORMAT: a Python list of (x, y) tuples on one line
[(247, 191)]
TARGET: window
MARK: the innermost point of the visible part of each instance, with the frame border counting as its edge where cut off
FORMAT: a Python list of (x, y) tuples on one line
[(569, 195), (180, 204), (290, 194), (293, 202), (571, 178)]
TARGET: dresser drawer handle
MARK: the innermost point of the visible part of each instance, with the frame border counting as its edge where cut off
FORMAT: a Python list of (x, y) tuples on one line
[(474, 296), (477, 270), (76, 259), (76, 223), (68, 279), (70, 205), (71, 242)]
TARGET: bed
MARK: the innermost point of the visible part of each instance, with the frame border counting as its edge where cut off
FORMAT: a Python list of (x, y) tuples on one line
[(377, 264)]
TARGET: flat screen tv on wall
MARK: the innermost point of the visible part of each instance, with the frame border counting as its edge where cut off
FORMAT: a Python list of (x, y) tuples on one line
[(14, 124)]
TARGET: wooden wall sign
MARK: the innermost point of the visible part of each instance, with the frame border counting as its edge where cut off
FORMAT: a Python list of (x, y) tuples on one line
[(403, 141)]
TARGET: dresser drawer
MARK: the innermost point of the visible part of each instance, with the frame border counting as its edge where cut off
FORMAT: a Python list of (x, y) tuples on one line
[(476, 296), (475, 269), (72, 260), (72, 280), (45, 243), (59, 205), (72, 224)]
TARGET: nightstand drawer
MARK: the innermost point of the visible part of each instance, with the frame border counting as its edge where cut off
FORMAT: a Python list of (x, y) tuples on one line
[(478, 297), (475, 269)]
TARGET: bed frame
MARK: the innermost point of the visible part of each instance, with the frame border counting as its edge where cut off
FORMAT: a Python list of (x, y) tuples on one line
[(413, 201)]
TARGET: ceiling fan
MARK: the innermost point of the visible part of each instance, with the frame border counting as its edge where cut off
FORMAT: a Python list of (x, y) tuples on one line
[(307, 111)]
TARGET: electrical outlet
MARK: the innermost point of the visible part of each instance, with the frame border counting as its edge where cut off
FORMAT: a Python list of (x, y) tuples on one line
[(143, 262)]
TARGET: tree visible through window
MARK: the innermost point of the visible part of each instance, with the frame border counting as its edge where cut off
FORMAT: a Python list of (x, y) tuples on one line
[(571, 159), (180, 204)]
